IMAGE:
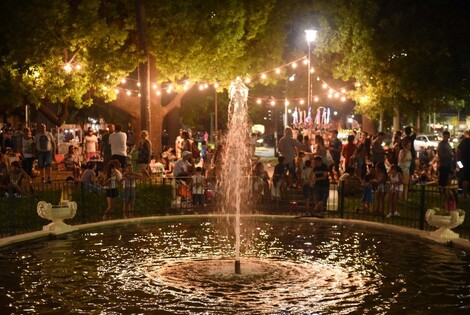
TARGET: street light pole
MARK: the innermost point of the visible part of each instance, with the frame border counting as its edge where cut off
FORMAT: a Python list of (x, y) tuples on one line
[(310, 36)]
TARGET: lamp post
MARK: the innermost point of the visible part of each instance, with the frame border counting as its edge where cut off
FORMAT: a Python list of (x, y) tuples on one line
[(310, 36)]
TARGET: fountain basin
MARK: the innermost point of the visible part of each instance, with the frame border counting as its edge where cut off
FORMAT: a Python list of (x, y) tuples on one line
[(57, 214), (444, 223)]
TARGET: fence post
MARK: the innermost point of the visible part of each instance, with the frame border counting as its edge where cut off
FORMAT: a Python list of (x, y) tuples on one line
[(422, 207), (341, 199)]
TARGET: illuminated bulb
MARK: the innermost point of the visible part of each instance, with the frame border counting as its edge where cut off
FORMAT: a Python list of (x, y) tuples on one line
[(158, 93), (206, 86), (301, 102), (123, 81), (343, 98), (201, 87), (128, 93), (138, 83), (258, 101), (185, 87), (324, 85), (168, 90), (357, 84), (139, 95), (273, 103), (187, 82), (216, 85), (315, 99), (289, 111), (78, 66), (294, 65), (278, 70), (318, 78), (312, 70), (105, 87), (67, 67), (116, 91), (154, 86), (336, 95), (286, 102), (305, 61), (343, 91), (335, 113), (330, 96), (331, 91), (263, 76), (247, 80)]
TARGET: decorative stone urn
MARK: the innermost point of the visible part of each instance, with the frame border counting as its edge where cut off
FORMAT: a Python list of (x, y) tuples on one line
[(57, 214), (444, 221)]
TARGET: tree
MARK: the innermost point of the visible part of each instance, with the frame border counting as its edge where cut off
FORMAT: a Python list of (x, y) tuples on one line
[(405, 55)]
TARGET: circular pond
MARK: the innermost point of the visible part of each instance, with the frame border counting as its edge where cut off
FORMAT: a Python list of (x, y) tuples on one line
[(289, 266)]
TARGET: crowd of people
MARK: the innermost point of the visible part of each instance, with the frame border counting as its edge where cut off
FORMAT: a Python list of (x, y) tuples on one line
[(364, 165), (309, 162)]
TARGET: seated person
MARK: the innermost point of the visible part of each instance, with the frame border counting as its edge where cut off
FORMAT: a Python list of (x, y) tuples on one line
[(350, 184), (426, 176), (72, 161), (88, 178), (20, 182)]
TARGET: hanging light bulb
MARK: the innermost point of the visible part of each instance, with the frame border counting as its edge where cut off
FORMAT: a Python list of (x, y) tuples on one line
[(294, 65), (324, 85), (316, 99), (154, 86), (258, 101), (278, 71), (263, 76), (123, 81), (138, 84), (128, 93), (67, 67), (247, 80), (116, 91), (273, 102), (301, 102)]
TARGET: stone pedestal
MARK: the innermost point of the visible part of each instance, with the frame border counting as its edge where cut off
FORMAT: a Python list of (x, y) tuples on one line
[(57, 214), (444, 223)]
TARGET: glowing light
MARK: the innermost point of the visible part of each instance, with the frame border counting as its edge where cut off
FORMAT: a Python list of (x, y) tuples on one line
[(286, 103), (335, 113), (138, 83), (201, 87), (206, 86), (324, 85), (343, 98), (357, 84), (67, 67), (105, 87), (158, 93), (330, 95), (305, 61), (216, 85), (78, 66), (263, 76), (139, 95), (289, 111), (123, 81), (331, 91), (154, 86), (273, 103), (116, 91), (258, 101), (316, 99), (336, 95), (312, 70), (310, 35), (247, 80), (301, 102), (278, 71), (294, 65), (128, 93), (343, 91)]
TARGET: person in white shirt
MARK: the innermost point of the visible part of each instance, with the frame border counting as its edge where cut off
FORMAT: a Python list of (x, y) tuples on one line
[(181, 168), (118, 141)]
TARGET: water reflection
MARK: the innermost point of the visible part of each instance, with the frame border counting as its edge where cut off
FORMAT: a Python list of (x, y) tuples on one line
[(287, 267)]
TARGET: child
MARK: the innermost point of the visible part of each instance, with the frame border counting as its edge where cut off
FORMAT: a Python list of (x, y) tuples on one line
[(396, 189), (197, 187), (128, 195), (321, 183), (451, 198), (380, 182), (113, 175), (307, 176), (279, 178), (72, 161), (368, 193)]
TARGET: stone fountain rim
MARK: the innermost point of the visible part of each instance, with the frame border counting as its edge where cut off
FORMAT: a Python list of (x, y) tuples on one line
[(22, 238)]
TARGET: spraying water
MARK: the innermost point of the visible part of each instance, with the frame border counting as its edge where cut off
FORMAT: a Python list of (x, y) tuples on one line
[(235, 183)]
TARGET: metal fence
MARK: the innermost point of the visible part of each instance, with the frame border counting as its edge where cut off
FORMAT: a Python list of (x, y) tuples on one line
[(161, 196)]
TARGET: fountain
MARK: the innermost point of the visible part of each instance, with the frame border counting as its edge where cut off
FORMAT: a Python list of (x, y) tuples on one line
[(66, 209), (235, 184)]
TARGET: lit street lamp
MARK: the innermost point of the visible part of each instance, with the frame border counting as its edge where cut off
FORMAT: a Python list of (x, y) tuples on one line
[(310, 36)]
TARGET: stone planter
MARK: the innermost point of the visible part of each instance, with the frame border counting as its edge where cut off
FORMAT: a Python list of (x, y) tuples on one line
[(444, 223), (57, 214)]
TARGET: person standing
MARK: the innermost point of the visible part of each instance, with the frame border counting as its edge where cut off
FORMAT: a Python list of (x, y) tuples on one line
[(144, 153), (178, 144), (335, 147), (27, 151), (378, 152), (106, 147), (90, 144), (287, 148), (404, 162), (118, 143), (45, 148), (463, 153), (445, 155)]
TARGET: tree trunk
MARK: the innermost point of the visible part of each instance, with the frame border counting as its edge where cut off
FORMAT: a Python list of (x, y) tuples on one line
[(396, 119)]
